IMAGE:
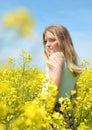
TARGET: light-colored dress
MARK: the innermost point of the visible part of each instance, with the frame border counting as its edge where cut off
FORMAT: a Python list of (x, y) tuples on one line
[(68, 82)]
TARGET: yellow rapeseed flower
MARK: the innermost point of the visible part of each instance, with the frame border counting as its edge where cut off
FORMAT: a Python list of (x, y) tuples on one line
[(21, 20), (3, 111), (9, 20)]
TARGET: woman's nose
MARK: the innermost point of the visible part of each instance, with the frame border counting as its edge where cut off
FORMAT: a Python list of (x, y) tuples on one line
[(48, 44)]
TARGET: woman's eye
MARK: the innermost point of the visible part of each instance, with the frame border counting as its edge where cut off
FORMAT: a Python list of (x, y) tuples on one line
[(52, 40)]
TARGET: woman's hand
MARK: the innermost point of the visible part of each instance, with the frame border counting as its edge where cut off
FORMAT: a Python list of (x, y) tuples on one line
[(56, 61)]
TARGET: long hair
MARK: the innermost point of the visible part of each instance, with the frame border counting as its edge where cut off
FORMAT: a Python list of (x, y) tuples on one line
[(65, 43)]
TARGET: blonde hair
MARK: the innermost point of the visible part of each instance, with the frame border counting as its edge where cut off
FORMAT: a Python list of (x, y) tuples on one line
[(66, 45)]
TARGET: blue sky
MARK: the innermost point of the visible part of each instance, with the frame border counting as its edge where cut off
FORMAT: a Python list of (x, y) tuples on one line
[(75, 15)]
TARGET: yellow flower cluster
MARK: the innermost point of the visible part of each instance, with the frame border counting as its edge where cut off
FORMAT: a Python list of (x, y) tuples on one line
[(83, 127), (21, 20), (83, 100), (23, 106)]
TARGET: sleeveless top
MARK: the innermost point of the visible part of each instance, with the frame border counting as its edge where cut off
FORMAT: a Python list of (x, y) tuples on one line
[(68, 82)]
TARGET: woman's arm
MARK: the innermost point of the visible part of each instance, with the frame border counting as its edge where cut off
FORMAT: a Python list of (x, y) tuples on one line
[(55, 64)]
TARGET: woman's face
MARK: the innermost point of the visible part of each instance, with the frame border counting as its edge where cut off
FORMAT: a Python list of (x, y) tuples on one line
[(51, 43)]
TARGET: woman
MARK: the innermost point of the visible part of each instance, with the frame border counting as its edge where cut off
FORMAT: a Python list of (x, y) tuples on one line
[(61, 58)]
